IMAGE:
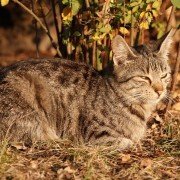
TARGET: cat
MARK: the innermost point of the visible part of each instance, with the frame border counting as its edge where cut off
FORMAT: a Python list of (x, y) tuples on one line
[(50, 99)]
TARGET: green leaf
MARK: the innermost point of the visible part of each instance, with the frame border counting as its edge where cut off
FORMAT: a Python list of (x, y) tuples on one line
[(133, 4), (155, 13), (135, 8), (105, 29), (149, 1), (157, 4), (176, 3), (76, 33), (75, 5), (65, 1)]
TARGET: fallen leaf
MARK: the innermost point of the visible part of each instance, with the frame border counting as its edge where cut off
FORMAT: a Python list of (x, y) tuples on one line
[(34, 164), (125, 158), (146, 163), (176, 106), (18, 146)]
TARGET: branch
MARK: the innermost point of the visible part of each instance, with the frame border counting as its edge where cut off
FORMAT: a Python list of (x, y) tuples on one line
[(132, 31), (36, 28), (174, 78), (41, 24), (62, 29), (55, 21), (94, 61), (87, 4)]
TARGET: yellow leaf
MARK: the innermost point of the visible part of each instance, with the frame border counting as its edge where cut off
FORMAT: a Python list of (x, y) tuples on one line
[(157, 4), (4, 2), (102, 35), (96, 37), (123, 30), (144, 25), (142, 15), (135, 9), (67, 14), (134, 4), (155, 13), (148, 17)]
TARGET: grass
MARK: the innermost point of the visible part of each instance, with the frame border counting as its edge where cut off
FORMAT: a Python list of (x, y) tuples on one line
[(156, 158)]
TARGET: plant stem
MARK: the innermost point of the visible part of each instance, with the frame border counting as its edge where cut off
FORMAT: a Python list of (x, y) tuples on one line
[(87, 4), (54, 44), (174, 78), (132, 30), (36, 28), (94, 62), (62, 29), (56, 21), (142, 36)]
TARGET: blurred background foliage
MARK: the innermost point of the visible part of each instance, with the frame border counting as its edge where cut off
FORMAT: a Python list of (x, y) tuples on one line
[(82, 30)]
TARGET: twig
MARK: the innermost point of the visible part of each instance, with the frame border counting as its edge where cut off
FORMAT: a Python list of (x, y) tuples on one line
[(124, 4), (132, 30), (87, 4), (170, 18), (94, 63), (174, 78), (54, 44), (142, 36), (55, 21), (44, 17), (62, 29), (36, 28)]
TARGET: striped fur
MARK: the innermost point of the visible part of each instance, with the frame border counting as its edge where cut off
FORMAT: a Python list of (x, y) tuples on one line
[(50, 99)]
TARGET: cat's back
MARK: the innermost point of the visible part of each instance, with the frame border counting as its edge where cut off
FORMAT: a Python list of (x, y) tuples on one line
[(41, 86), (58, 71), (43, 78), (45, 67)]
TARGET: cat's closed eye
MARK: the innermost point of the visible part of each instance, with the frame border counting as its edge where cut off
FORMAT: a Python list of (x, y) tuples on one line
[(143, 78), (164, 76)]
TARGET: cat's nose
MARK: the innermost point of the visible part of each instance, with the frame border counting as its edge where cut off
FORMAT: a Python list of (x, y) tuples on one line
[(158, 88)]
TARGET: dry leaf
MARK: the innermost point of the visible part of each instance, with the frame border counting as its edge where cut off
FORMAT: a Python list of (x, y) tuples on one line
[(153, 126), (67, 14), (146, 163), (18, 146), (34, 164), (125, 158), (176, 106)]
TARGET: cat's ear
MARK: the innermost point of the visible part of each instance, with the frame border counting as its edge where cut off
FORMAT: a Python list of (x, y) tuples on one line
[(121, 50), (164, 44)]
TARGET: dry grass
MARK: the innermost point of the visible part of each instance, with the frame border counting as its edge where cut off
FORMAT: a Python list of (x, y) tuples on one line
[(156, 158)]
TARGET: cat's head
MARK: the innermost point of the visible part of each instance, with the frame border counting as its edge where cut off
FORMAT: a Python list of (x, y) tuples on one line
[(143, 71)]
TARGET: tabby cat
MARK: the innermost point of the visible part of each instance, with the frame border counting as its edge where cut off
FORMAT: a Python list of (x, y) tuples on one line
[(52, 98)]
